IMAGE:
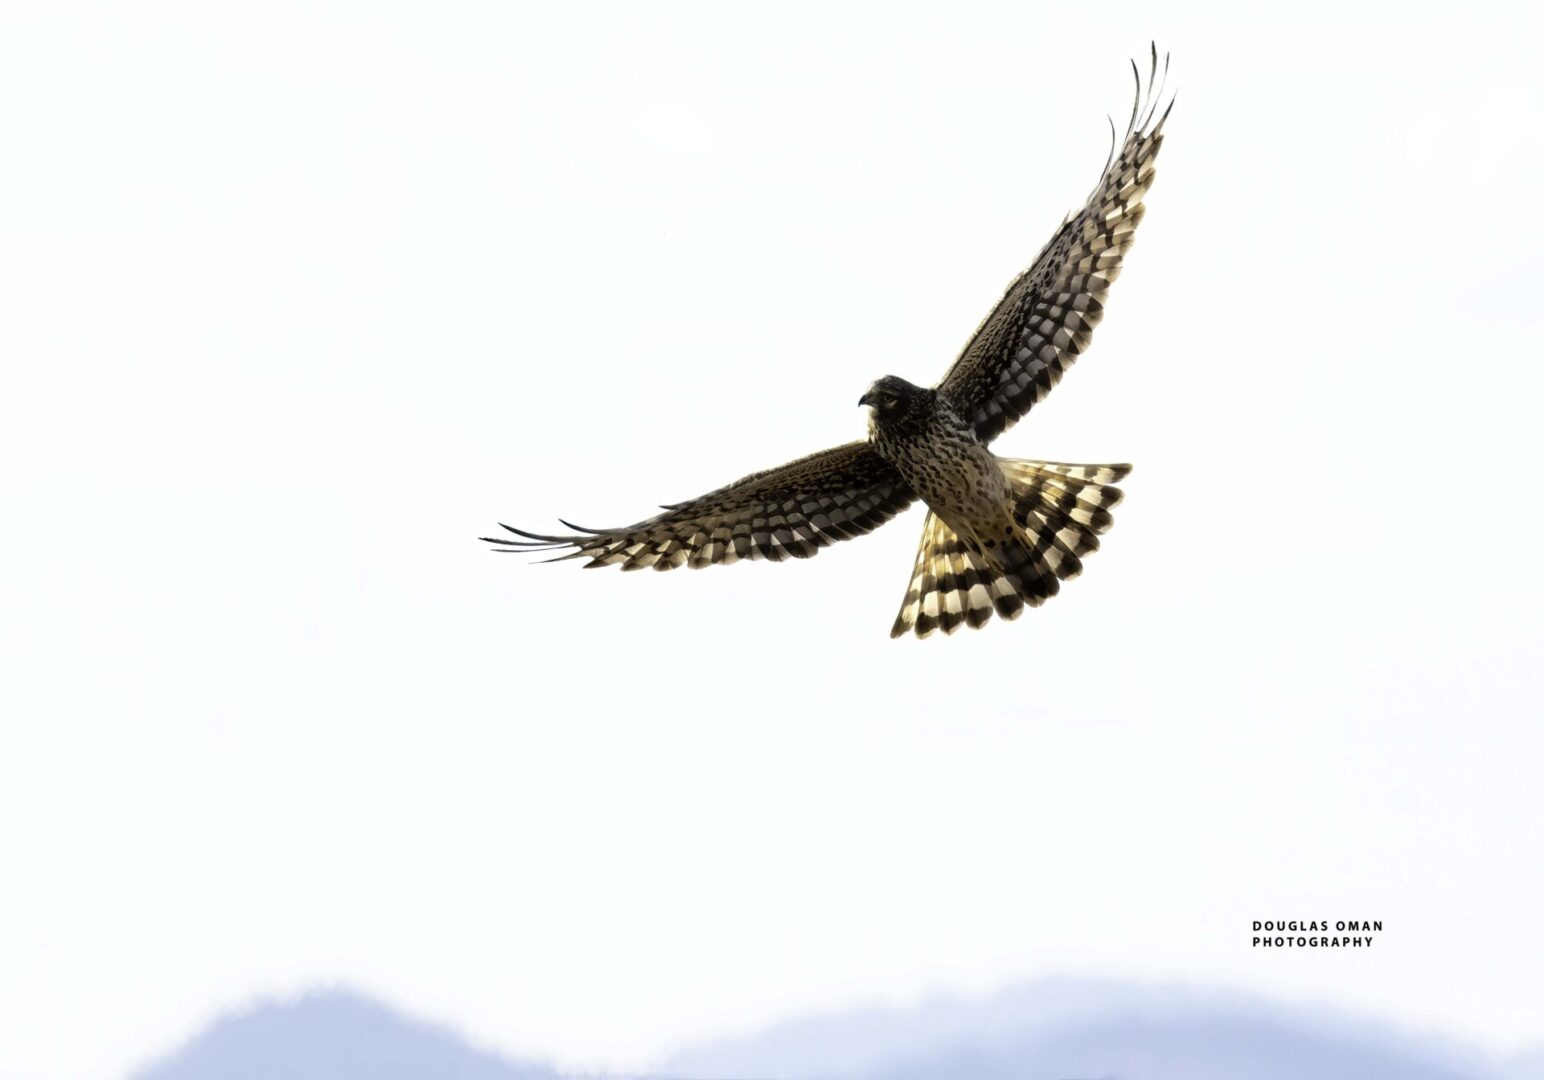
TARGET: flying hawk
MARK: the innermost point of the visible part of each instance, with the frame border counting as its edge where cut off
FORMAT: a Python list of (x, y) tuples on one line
[(1000, 533)]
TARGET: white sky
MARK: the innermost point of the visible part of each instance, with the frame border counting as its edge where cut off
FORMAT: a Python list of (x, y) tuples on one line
[(300, 301)]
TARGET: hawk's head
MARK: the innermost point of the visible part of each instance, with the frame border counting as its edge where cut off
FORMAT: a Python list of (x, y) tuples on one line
[(896, 403)]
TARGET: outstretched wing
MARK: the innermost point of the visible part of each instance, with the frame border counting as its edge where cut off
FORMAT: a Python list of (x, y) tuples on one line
[(794, 510), (1048, 314)]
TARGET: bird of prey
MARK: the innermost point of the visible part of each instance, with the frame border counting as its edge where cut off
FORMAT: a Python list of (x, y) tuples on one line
[(1001, 533)]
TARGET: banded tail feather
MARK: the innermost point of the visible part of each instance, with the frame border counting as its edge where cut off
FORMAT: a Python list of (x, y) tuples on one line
[(1059, 512), (950, 585)]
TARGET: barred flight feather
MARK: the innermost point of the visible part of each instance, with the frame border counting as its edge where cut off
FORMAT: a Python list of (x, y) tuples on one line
[(789, 512), (1047, 316)]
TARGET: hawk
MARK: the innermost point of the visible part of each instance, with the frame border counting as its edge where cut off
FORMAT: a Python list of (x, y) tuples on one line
[(1001, 533)]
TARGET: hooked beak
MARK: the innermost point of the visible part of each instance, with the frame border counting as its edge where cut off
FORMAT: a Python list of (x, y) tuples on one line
[(868, 398)]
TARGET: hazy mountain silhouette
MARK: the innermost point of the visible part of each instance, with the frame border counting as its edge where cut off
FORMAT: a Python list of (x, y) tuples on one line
[(1063, 1029), (1526, 1066), (1043, 1031), (1235, 1049), (332, 1035)]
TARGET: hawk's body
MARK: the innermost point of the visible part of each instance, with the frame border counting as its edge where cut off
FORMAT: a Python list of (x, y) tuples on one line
[(950, 469), (1000, 533)]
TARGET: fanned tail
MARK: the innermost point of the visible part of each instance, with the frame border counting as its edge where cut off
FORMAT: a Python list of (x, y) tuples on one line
[(1059, 512), (1062, 510), (951, 585)]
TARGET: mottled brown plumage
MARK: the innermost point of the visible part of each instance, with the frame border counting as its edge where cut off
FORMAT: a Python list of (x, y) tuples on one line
[(1001, 534)]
